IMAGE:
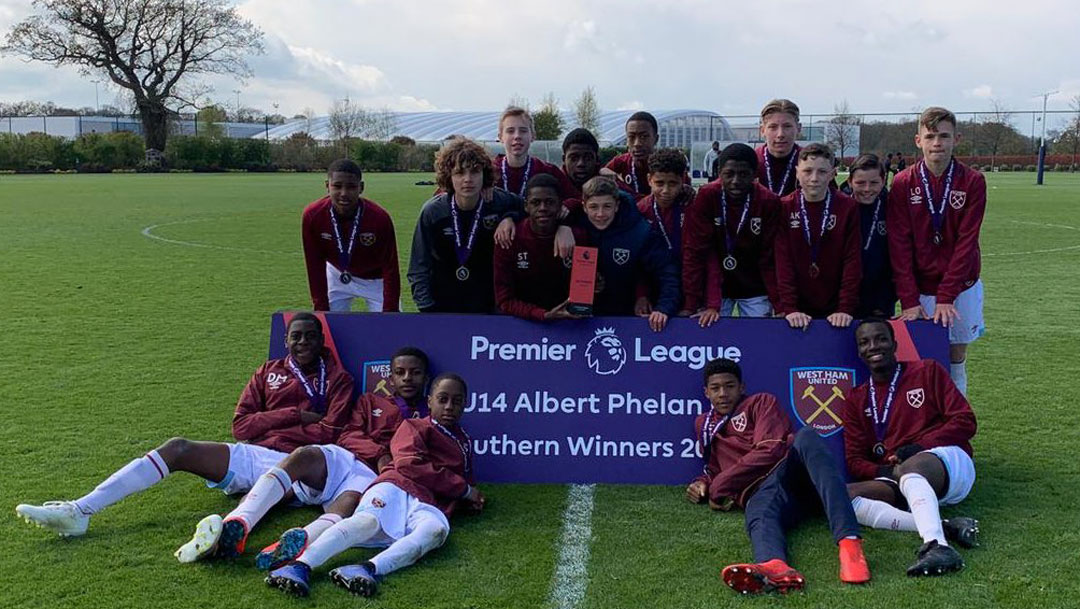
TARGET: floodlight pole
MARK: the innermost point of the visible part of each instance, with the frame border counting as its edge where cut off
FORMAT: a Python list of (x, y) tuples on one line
[(1042, 140)]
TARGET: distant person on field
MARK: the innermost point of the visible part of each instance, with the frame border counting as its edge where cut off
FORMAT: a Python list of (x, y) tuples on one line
[(708, 164), (350, 247), (935, 213)]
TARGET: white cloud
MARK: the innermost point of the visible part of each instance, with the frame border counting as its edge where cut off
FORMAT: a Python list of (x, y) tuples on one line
[(980, 92)]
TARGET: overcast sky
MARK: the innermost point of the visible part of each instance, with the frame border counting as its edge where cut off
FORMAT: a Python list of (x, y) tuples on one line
[(718, 55)]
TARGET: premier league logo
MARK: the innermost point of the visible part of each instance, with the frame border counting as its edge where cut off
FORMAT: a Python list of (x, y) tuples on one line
[(621, 255), (376, 377), (755, 225), (817, 394), (605, 354), (916, 397), (957, 198), (367, 239)]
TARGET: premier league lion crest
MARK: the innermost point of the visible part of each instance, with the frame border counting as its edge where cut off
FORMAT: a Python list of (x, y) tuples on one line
[(605, 353), (376, 377), (817, 395)]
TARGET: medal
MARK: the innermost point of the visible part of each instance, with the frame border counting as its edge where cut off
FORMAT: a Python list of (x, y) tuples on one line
[(345, 254), (505, 170), (729, 240), (463, 252), (787, 171), (815, 248), (316, 395), (879, 450), (881, 421), (937, 212), (663, 231), (464, 447)]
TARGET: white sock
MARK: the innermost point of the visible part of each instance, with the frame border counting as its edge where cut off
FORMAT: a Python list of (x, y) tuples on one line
[(138, 475), (355, 529), (317, 527), (267, 492), (880, 515), (424, 538), (923, 502), (958, 373)]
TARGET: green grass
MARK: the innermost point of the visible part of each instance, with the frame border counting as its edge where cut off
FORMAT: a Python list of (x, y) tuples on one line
[(116, 342)]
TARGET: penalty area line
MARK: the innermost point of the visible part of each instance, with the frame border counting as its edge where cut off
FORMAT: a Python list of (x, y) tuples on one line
[(571, 570)]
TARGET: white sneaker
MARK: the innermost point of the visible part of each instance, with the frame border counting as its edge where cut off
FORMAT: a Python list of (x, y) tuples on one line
[(204, 542), (63, 517)]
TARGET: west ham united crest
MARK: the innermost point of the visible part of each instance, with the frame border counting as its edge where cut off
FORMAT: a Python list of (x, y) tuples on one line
[(376, 377), (818, 394)]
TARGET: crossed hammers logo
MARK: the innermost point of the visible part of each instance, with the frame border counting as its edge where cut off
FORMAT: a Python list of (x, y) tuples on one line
[(381, 388), (823, 406)]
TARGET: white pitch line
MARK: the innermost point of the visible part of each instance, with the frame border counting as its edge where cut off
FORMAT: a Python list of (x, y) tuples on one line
[(148, 233), (1046, 251), (572, 569)]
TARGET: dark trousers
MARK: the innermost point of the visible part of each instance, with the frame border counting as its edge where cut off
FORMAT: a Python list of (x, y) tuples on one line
[(804, 482)]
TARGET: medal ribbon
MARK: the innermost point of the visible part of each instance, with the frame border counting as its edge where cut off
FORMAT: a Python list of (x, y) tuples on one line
[(937, 214), (729, 239), (464, 252), (316, 395), (676, 232), (707, 433), (345, 255), (505, 170), (881, 422), (873, 222), (787, 171), (815, 248), (464, 447)]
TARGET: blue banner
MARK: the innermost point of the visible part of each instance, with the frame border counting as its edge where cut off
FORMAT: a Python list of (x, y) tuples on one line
[(607, 400)]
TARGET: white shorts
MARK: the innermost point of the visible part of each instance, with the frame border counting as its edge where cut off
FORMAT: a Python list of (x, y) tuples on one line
[(961, 473), (344, 473), (758, 306), (969, 304), (398, 513), (341, 294), (246, 463)]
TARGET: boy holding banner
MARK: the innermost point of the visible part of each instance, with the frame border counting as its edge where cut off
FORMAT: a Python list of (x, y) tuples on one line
[(629, 249), (935, 213), (665, 209), (530, 282), (754, 461), (818, 261), (350, 248), (405, 510), (728, 242)]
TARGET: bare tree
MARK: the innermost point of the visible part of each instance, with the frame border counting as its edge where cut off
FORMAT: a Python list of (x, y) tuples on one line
[(518, 101), (996, 128), (381, 125), (548, 121), (842, 131), (1073, 132), (153, 48), (347, 120), (587, 111)]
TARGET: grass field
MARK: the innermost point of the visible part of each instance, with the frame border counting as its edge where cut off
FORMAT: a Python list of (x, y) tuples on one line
[(117, 341)]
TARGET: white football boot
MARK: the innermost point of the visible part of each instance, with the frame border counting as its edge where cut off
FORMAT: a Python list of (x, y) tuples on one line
[(62, 517), (204, 542)]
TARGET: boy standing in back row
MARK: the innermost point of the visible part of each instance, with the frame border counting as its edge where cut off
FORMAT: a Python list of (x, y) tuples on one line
[(935, 213), (780, 127)]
